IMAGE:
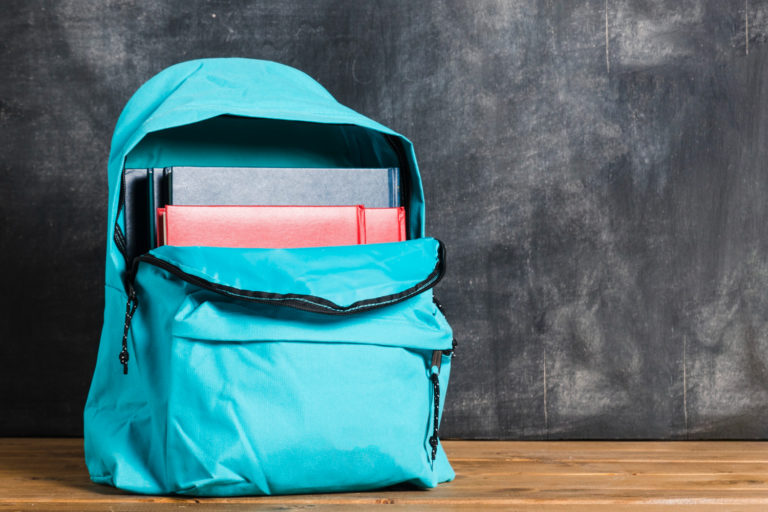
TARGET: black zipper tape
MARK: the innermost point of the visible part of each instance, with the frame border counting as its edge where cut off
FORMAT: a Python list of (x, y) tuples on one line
[(433, 440), (309, 303), (130, 309), (452, 351), (120, 242)]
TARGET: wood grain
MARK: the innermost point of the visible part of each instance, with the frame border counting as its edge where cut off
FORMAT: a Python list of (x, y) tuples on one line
[(49, 474)]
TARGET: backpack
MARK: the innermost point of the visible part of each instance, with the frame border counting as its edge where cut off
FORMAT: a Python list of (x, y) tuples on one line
[(224, 372)]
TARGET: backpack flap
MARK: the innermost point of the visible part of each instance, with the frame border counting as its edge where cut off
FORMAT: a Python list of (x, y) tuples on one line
[(330, 280)]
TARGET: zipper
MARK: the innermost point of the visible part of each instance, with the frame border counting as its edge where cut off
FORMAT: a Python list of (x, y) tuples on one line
[(434, 377), (452, 351), (309, 303), (120, 242), (130, 309)]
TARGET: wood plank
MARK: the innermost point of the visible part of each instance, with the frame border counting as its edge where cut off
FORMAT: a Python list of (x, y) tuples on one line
[(204, 507), (140, 507), (673, 451), (50, 474)]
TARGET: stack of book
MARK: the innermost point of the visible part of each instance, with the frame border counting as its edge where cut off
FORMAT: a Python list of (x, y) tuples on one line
[(261, 207)]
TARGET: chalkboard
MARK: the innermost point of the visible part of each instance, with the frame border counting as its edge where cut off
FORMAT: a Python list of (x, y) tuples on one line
[(598, 170)]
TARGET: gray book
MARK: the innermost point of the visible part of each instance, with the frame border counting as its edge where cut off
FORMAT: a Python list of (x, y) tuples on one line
[(372, 188)]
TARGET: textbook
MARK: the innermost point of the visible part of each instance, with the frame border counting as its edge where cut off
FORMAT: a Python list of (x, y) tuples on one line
[(370, 187), (135, 213), (261, 226), (144, 190), (278, 226), (156, 197)]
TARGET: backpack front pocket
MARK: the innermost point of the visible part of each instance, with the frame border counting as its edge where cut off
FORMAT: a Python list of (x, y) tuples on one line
[(318, 381)]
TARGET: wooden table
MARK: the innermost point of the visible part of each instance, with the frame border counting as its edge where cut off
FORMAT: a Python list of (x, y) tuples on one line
[(49, 474)]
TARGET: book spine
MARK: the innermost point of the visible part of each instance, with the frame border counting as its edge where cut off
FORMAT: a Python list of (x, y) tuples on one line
[(360, 224), (168, 173), (394, 186), (152, 207), (401, 223)]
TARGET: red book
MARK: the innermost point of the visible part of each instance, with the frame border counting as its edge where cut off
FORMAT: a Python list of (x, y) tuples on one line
[(384, 225), (160, 228), (261, 226)]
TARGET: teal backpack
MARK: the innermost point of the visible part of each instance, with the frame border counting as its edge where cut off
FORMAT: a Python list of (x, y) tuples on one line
[(224, 372)]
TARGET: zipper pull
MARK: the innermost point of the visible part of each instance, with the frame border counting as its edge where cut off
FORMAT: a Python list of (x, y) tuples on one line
[(130, 309), (437, 361), (452, 351), (433, 441)]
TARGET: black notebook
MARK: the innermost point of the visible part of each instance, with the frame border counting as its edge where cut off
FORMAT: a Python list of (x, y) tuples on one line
[(370, 187), (143, 191), (157, 197)]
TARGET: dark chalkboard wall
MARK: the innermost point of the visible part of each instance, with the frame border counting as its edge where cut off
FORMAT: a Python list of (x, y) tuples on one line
[(598, 170)]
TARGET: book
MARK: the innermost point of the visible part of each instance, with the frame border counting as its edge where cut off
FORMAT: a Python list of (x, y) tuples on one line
[(370, 187), (143, 191), (384, 225), (160, 230), (157, 195), (262, 226), (135, 212)]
